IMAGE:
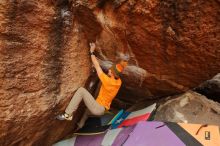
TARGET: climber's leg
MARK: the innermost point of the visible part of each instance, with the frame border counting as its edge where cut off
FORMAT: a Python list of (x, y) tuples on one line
[(82, 121), (82, 94)]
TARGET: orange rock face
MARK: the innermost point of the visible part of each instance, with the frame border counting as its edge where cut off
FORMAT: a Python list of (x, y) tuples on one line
[(172, 46), (44, 58), (175, 44)]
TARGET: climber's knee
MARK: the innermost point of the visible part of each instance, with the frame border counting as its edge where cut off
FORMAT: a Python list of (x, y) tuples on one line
[(98, 112), (81, 89)]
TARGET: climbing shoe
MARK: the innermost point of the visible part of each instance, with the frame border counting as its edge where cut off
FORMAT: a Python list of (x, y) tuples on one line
[(64, 116)]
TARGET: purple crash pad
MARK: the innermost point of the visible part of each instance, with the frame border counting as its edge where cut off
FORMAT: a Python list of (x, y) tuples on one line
[(122, 136), (96, 140), (89, 140), (147, 134)]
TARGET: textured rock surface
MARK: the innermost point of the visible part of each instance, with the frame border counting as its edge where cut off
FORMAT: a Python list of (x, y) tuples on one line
[(172, 46), (190, 107), (43, 59)]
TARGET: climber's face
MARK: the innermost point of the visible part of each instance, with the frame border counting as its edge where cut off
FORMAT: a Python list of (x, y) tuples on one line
[(110, 74)]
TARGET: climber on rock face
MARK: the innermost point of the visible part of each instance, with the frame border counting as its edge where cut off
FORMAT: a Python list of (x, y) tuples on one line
[(111, 84)]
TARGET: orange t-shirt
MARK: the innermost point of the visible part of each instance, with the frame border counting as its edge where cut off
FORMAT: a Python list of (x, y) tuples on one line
[(108, 90)]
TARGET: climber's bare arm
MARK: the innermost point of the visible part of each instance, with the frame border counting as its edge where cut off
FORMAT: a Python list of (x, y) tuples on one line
[(94, 60)]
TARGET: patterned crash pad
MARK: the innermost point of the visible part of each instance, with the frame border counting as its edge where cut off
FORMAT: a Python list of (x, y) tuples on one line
[(131, 118), (122, 119)]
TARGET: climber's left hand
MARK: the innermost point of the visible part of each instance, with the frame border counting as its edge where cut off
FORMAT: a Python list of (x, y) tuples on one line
[(92, 47)]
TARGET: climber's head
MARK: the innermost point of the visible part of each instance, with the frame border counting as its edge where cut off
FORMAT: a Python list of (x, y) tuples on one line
[(116, 69)]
